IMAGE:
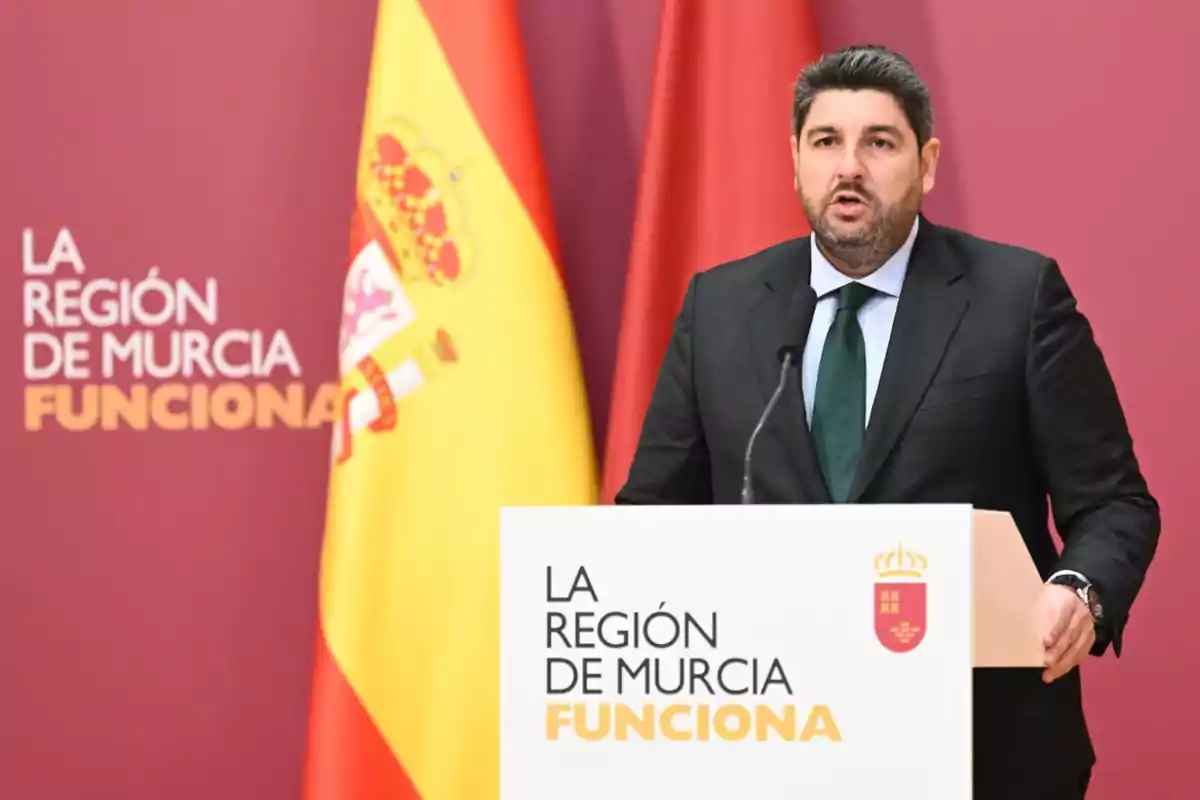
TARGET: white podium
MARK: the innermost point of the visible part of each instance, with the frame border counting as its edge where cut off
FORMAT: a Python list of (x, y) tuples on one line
[(752, 652)]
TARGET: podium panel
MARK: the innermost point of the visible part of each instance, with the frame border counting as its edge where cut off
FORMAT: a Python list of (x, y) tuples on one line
[(736, 651)]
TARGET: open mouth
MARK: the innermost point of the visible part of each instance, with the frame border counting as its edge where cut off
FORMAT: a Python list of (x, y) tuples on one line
[(848, 201), (849, 206)]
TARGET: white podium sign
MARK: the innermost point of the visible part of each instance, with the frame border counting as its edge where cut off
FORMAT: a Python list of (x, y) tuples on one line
[(754, 652)]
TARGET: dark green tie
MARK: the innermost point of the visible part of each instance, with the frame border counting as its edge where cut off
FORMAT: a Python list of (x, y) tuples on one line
[(840, 406)]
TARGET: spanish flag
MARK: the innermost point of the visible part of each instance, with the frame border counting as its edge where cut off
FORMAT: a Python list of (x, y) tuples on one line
[(461, 392)]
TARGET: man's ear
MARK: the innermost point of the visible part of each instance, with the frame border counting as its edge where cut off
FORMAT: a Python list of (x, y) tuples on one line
[(929, 163), (795, 142)]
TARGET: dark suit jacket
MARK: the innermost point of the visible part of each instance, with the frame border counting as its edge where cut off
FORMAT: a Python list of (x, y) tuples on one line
[(993, 393)]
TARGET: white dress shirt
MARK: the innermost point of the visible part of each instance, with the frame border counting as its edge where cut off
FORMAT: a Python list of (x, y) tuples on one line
[(875, 317)]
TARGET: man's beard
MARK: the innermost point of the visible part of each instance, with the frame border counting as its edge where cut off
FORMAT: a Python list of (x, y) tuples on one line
[(869, 247)]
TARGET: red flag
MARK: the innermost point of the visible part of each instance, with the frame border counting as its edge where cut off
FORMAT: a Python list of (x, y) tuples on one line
[(716, 179)]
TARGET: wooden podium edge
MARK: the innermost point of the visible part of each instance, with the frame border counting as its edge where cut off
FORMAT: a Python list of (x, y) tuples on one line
[(1005, 589)]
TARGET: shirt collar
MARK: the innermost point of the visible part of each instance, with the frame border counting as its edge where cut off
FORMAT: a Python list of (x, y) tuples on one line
[(888, 279)]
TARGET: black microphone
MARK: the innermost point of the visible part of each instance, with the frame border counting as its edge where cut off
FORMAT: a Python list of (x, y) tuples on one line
[(799, 317)]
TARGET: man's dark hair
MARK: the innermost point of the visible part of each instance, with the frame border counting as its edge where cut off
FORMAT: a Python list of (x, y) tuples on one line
[(867, 67)]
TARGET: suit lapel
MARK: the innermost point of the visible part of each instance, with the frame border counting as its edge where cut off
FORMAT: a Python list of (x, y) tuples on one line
[(768, 324), (932, 303)]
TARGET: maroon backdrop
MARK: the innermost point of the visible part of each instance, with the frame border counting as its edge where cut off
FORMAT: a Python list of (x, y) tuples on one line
[(157, 589)]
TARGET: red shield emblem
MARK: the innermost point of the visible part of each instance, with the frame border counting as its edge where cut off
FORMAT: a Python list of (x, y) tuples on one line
[(900, 615)]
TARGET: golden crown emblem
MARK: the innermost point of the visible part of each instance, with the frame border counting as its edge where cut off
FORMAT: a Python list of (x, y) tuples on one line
[(413, 197), (900, 563)]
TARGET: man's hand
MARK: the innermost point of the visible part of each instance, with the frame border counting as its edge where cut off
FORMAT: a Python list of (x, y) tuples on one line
[(1068, 630)]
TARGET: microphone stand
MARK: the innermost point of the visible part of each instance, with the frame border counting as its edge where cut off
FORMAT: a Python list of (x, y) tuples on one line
[(747, 488)]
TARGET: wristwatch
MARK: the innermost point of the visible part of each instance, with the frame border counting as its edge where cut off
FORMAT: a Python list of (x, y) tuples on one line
[(1086, 592)]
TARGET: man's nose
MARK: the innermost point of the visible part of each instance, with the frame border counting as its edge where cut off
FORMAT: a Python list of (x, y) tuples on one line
[(850, 166)]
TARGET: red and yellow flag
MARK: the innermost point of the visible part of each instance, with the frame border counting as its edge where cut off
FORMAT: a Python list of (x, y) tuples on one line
[(461, 393)]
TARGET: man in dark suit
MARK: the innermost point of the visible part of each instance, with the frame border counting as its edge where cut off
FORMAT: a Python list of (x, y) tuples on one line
[(937, 368)]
